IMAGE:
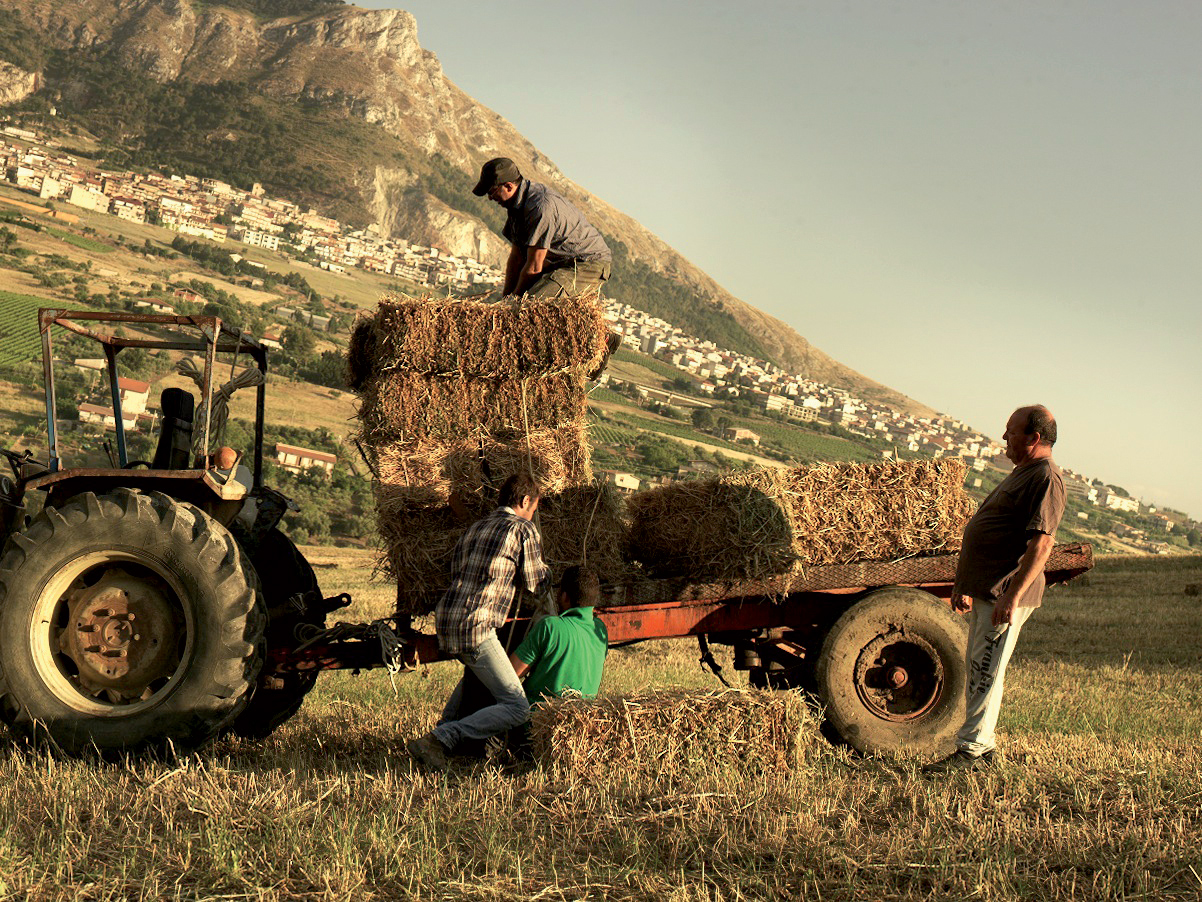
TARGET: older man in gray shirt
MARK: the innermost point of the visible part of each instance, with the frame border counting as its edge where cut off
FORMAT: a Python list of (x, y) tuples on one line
[(555, 250), (1000, 575)]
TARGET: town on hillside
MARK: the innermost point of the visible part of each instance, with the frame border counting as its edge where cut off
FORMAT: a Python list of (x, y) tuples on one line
[(216, 211)]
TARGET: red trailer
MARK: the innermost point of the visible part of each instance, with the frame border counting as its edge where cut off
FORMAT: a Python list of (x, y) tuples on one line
[(876, 642)]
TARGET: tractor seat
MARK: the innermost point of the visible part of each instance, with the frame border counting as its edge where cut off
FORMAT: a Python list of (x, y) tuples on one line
[(174, 451)]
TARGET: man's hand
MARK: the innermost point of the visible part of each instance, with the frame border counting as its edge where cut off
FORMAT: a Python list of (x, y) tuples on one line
[(961, 603), (1003, 608)]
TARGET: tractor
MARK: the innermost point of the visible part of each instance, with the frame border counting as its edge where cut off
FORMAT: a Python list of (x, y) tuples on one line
[(138, 605)]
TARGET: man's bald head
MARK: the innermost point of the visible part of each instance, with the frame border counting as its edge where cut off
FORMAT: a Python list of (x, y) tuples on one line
[(1038, 419)]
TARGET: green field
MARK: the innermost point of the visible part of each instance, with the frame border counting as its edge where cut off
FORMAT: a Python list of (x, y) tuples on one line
[(1098, 798), (806, 445), (19, 340), (82, 241)]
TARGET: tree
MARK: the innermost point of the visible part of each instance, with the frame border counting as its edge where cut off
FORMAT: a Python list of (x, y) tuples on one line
[(299, 341), (1194, 537), (703, 418)]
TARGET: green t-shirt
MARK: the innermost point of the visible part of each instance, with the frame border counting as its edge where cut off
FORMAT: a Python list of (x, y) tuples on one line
[(565, 652)]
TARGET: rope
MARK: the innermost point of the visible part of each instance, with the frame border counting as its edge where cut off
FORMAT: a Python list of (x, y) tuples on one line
[(589, 526), (219, 413), (537, 521)]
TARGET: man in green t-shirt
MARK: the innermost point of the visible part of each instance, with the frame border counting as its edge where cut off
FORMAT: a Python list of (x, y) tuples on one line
[(565, 652)]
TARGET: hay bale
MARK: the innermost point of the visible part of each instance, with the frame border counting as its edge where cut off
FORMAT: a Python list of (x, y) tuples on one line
[(672, 731), (752, 525), (513, 339), (585, 523), (404, 407), (417, 544), (558, 458)]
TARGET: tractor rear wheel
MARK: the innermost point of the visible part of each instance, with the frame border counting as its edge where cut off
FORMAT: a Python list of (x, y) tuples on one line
[(892, 674), (128, 621), (293, 600)]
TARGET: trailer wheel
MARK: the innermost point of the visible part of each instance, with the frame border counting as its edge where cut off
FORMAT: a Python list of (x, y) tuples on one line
[(285, 574), (127, 622), (892, 674)]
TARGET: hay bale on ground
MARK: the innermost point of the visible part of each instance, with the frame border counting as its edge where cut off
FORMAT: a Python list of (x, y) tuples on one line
[(670, 731), (752, 525), (513, 339), (418, 541)]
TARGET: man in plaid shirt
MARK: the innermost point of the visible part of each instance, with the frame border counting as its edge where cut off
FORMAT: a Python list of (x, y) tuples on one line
[(490, 561)]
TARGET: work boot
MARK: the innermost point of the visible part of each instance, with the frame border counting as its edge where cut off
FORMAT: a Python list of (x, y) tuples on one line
[(428, 752), (960, 760), (613, 341)]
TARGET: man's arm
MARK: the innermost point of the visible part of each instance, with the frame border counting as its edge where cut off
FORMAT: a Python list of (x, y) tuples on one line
[(1039, 549), (531, 268), (536, 575), (513, 269), (519, 666)]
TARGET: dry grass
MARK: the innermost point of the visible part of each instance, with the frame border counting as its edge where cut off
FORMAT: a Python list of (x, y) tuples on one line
[(766, 522), (1098, 798)]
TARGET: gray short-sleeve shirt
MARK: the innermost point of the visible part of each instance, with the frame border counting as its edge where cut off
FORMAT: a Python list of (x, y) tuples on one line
[(1030, 500), (542, 218)]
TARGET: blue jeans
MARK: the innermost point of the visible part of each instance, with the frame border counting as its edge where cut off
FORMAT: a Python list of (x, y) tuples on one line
[(490, 664)]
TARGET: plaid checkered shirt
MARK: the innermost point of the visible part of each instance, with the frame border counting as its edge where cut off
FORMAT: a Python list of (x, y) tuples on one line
[(487, 564)]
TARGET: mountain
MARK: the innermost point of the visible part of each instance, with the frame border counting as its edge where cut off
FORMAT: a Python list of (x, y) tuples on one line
[(340, 108)]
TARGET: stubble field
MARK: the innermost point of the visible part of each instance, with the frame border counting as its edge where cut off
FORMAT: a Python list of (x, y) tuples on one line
[(1099, 797)]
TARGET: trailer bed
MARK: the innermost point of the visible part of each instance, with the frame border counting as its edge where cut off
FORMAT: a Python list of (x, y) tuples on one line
[(674, 608)]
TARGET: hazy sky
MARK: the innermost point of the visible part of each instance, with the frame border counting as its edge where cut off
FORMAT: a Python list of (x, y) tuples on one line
[(979, 204)]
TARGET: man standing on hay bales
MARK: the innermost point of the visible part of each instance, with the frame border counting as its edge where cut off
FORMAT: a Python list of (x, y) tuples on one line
[(490, 560), (555, 250), (1000, 575)]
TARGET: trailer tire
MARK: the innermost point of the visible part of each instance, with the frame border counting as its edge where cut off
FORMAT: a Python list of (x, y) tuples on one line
[(128, 622), (284, 573), (892, 673)]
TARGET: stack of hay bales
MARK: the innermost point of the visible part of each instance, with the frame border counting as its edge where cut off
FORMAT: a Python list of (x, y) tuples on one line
[(677, 731), (764, 523), (458, 395)]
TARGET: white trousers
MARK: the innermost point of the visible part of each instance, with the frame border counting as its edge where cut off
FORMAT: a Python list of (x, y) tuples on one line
[(987, 660)]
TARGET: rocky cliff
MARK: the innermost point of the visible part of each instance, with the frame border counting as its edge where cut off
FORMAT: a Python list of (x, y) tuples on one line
[(15, 83), (370, 65)]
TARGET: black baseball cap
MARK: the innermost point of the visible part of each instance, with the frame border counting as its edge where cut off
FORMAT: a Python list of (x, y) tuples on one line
[(496, 172)]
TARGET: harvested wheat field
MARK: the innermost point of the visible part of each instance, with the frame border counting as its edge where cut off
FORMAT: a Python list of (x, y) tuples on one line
[(762, 523), (1097, 798)]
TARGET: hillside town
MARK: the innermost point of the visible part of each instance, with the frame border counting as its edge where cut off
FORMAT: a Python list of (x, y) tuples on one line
[(213, 210), (216, 211)]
